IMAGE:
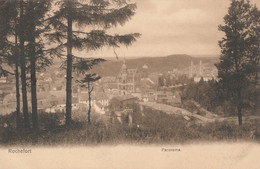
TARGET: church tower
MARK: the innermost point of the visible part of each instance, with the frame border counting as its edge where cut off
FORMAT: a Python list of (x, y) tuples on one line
[(127, 80), (122, 79)]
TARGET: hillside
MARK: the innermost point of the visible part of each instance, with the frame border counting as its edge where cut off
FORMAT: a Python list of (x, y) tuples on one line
[(155, 64)]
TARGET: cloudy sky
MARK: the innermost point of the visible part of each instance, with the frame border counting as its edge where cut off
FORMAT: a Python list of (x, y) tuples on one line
[(174, 27)]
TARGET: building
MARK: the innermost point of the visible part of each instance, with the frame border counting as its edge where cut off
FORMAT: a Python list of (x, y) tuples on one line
[(166, 97), (101, 98), (149, 97), (197, 79), (123, 101), (127, 80), (206, 72), (3, 79)]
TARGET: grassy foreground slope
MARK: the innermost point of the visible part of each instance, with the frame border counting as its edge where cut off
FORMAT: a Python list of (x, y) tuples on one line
[(151, 127)]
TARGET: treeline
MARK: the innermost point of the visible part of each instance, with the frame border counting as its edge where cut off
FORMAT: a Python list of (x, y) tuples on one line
[(239, 67), (211, 96), (33, 32)]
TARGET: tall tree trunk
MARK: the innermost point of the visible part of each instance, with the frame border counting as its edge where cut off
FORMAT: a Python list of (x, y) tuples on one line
[(33, 87), (18, 116), (23, 70), (239, 108), (69, 72), (89, 103)]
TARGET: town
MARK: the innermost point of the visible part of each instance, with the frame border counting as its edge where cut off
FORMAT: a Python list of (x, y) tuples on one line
[(70, 69), (128, 85)]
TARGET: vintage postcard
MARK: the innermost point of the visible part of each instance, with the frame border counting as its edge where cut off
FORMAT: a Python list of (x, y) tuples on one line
[(129, 84)]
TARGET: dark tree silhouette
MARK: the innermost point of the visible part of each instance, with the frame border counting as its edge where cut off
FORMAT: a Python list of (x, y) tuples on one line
[(239, 62), (35, 13), (24, 21), (21, 32), (86, 82), (73, 15), (9, 53)]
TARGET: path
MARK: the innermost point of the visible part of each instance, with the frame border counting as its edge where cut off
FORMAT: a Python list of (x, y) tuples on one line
[(175, 110)]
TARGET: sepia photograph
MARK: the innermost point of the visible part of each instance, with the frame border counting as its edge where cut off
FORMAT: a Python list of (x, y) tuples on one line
[(129, 84)]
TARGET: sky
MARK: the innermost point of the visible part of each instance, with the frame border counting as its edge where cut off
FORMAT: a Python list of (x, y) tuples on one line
[(173, 27)]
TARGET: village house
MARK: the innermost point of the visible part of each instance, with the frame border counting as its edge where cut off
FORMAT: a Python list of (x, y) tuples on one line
[(167, 97), (197, 79), (149, 97), (83, 97), (111, 93), (123, 102), (3, 79), (102, 98), (99, 101), (57, 102)]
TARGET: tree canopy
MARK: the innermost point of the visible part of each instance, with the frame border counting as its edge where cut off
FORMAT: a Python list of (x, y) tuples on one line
[(83, 25), (240, 53)]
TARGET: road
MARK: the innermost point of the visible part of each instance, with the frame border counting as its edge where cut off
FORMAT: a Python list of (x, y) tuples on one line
[(175, 110), (203, 119)]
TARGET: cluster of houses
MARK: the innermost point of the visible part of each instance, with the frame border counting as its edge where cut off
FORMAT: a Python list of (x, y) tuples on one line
[(198, 72), (128, 86)]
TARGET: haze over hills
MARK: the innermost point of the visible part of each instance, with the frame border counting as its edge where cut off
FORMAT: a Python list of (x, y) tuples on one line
[(155, 64), (144, 56)]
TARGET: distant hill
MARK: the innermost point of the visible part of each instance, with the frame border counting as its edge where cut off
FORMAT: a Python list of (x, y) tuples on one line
[(155, 64)]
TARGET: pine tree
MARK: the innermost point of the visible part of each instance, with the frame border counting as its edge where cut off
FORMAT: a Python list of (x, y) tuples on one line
[(86, 82), (9, 53), (239, 62), (73, 14), (21, 34), (35, 14)]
